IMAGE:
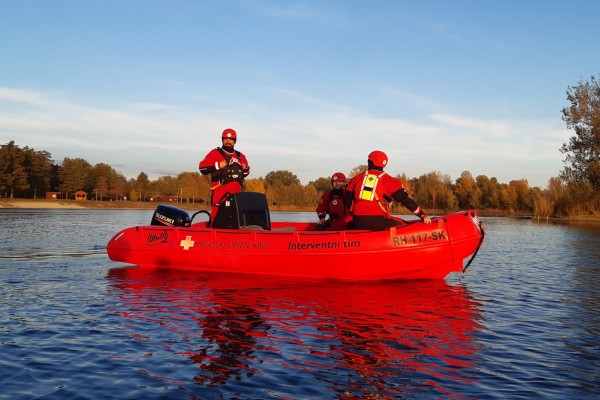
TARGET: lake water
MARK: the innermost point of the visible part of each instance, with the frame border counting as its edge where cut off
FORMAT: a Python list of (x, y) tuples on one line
[(523, 322)]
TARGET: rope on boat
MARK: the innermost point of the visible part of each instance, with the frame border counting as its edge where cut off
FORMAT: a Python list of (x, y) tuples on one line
[(478, 247)]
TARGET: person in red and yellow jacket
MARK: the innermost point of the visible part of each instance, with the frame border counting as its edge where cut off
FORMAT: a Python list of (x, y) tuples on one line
[(332, 203), (227, 168), (370, 193)]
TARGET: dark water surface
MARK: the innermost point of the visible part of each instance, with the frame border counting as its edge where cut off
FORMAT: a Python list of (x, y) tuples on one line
[(523, 322)]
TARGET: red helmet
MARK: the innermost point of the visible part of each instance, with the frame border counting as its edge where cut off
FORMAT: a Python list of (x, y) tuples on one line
[(338, 177), (229, 134), (378, 158)]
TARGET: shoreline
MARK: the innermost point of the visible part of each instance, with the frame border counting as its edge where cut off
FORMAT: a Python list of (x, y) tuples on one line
[(44, 204), (39, 204), (14, 204)]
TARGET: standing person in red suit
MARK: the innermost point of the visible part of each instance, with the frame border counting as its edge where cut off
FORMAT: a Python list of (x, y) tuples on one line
[(332, 203), (371, 192), (227, 168)]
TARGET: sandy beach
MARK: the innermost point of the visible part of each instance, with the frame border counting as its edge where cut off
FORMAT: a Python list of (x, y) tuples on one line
[(7, 203), (38, 204)]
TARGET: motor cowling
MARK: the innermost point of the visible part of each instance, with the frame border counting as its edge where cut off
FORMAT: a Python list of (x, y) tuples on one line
[(170, 216)]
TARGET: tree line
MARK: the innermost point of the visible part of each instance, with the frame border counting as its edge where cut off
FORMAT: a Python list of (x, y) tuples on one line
[(27, 173)]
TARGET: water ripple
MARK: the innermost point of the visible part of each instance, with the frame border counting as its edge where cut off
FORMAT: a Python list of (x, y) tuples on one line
[(523, 323)]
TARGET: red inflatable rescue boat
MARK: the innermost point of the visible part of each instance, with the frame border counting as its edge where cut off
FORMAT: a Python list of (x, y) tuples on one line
[(243, 239)]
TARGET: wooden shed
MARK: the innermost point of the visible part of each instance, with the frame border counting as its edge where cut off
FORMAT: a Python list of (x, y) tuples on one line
[(80, 195)]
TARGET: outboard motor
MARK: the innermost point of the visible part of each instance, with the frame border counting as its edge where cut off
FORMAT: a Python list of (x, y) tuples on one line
[(170, 216)]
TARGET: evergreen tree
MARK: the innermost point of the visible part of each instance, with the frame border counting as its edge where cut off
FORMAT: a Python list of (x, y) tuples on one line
[(13, 176), (38, 166), (74, 175)]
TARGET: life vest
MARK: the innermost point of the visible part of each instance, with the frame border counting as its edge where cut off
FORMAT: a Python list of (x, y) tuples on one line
[(336, 206), (369, 191), (232, 172)]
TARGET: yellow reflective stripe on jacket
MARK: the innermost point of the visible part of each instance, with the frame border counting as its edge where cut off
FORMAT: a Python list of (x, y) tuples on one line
[(367, 192)]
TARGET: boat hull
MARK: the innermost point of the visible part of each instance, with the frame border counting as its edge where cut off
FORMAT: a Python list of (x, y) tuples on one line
[(413, 251)]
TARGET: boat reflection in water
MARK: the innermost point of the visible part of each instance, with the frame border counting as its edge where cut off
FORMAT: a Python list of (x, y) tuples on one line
[(312, 337)]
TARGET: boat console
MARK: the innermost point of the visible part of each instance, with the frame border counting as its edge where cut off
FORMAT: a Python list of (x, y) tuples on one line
[(245, 210)]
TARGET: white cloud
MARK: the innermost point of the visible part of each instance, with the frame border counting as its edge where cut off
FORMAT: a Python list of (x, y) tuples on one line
[(311, 140), (492, 127)]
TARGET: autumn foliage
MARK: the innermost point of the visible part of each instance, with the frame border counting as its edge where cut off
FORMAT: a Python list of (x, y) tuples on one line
[(27, 173)]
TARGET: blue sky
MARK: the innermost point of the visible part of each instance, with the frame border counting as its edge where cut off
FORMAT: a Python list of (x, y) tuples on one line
[(311, 86)]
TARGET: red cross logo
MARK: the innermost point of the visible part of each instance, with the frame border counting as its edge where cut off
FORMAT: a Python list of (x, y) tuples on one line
[(187, 243)]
